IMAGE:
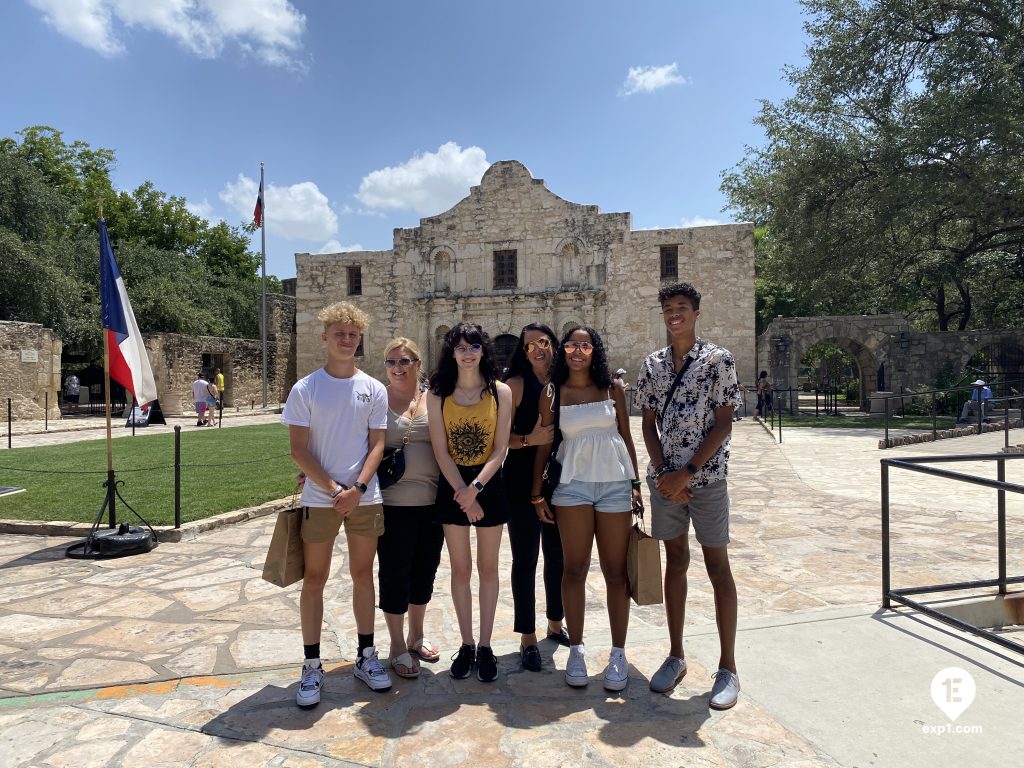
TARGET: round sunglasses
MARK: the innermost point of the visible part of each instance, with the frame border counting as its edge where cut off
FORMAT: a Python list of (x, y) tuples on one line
[(463, 349)]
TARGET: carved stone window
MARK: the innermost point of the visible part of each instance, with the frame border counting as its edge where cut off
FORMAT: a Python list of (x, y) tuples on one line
[(442, 272), (505, 269)]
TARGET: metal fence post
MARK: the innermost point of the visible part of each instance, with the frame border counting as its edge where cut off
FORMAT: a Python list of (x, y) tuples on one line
[(935, 419), (9, 421), (1001, 477), (885, 416), (815, 402), (780, 427), (177, 476), (885, 534), (46, 411)]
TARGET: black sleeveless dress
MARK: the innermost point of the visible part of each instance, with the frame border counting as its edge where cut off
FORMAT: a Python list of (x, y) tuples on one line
[(519, 462)]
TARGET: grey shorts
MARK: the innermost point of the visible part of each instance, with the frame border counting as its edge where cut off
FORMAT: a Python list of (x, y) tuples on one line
[(709, 509)]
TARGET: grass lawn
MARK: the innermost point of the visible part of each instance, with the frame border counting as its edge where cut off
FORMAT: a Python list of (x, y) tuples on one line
[(221, 470), (919, 423)]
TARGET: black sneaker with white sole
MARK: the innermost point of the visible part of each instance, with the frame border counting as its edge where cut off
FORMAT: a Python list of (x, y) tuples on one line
[(486, 665), (462, 662)]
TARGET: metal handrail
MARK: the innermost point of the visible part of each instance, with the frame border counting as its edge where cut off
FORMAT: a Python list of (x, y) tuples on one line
[(916, 464)]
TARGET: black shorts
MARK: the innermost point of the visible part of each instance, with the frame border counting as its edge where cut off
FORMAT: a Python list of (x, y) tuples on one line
[(492, 500)]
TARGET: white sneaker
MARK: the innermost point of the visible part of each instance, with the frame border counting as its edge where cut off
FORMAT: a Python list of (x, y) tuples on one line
[(310, 684), (369, 669), (616, 674), (576, 667), (726, 689)]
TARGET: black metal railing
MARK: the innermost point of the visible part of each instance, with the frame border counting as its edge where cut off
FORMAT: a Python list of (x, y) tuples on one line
[(890, 595)]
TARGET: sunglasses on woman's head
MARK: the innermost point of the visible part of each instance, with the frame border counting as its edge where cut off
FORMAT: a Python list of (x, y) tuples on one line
[(543, 343), (463, 349), (405, 362), (579, 346)]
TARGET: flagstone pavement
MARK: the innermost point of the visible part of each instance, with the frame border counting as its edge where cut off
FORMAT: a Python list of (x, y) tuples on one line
[(184, 656)]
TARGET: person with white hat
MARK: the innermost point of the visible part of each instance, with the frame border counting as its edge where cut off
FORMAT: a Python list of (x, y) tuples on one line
[(981, 395)]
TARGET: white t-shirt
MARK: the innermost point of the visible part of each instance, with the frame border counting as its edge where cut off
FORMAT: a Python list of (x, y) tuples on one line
[(340, 413), (199, 393)]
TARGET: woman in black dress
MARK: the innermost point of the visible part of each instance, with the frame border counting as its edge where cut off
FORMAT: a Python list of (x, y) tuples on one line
[(527, 373)]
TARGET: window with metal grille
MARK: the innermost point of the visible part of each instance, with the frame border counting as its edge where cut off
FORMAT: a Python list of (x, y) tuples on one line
[(355, 281), (504, 269), (669, 262)]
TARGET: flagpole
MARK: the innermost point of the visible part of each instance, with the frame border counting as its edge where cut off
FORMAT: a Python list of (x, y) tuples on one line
[(111, 515), (263, 285)]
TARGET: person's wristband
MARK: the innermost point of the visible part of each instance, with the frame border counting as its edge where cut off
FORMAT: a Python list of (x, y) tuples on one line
[(536, 500), (635, 483), (525, 443), (692, 468)]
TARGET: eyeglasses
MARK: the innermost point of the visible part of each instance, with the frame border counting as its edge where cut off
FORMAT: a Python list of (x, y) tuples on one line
[(464, 349), (579, 346), (405, 362), (541, 343)]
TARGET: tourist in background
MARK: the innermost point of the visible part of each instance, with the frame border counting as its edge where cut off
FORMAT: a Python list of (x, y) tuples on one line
[(597, 492), (200, 396), (409, 550), (469, 414), (527, 373), (764, 394)]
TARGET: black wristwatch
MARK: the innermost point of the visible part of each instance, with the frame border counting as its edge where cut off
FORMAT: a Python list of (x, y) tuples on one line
[(692, 468), (360, 486)]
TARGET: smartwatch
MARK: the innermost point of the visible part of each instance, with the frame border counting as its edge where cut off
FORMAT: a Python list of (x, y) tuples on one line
[(692, 468), (360, 486), (478, 485)]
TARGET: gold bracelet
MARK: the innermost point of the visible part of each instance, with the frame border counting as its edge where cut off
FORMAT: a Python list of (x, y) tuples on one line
[(537, 500)]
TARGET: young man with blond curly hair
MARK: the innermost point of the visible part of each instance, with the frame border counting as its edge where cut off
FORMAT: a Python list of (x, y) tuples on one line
[(337, 420)]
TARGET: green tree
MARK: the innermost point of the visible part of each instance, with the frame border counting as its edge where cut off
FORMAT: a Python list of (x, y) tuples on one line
[(893, 178)]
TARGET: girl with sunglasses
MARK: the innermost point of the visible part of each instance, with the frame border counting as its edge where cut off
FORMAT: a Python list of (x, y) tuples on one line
[(469, 414), (528, 372), (597, 491), (409, 550)]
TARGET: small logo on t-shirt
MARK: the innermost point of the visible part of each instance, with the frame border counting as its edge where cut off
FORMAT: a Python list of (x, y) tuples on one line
[(363, 397)]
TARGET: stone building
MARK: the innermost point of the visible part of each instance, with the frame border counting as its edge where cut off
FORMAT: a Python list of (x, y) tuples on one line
[(29, 370), (511, 253)]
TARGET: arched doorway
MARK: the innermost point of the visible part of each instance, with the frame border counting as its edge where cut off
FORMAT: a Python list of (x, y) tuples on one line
[(504, 346)]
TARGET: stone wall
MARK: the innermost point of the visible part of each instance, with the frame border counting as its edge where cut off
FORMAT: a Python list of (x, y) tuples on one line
[(176, 360), (29, 369), (573, 264)]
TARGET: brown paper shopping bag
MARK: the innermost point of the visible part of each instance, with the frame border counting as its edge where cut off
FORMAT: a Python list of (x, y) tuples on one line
[(284, 565), (643, 566)]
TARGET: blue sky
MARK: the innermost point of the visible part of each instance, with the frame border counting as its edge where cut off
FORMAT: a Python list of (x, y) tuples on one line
[(370, 115)]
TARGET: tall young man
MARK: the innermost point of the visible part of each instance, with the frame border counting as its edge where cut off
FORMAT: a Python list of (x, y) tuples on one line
[(688, 392), (337, 419)]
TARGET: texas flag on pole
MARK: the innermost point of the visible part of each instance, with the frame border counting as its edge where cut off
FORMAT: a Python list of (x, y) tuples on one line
[(129, 363)]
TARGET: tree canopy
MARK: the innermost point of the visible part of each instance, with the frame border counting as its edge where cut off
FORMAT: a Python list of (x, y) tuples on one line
[(183, 273), (893, 178)]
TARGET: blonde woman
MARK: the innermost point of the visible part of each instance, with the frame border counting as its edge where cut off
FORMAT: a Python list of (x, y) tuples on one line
[(409, 551)]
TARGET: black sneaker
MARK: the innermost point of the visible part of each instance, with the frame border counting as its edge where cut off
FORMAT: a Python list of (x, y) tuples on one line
[(486, 665), (462, 662)]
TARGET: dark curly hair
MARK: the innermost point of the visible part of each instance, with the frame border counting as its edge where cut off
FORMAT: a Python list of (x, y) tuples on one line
[(446, 375), (679, 289), (519, 364), (599, 372)]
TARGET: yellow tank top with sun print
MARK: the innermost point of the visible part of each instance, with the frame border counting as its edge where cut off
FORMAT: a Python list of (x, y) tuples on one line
[(470, 430)]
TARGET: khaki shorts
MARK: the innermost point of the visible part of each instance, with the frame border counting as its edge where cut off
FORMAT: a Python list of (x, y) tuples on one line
[(321, 524)]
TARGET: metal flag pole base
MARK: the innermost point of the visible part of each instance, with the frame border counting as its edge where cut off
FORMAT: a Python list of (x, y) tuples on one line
[(117, 540)]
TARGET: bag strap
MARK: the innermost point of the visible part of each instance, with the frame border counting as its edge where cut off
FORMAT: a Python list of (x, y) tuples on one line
[(555, 394), (415, 407), (675, 384)]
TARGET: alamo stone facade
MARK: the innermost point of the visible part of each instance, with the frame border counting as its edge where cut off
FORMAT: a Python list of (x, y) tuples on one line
[(512, 253)]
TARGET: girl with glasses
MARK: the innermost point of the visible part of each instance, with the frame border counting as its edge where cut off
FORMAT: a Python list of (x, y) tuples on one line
[(528, 372), (409, 551), (597, 491), (469, 414)]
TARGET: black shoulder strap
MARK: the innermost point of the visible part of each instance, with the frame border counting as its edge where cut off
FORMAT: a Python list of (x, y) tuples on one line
[(679, 377)]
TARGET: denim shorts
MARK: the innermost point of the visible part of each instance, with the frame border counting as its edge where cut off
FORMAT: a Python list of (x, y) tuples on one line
[(615, 496)]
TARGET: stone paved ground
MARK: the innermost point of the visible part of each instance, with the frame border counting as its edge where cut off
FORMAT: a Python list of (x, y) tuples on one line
[(184, 656)]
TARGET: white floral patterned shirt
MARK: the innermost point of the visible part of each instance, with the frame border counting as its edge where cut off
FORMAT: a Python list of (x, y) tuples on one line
[(709, 383)]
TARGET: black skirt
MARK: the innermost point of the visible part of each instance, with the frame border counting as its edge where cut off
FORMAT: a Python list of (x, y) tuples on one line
[(492, 500)]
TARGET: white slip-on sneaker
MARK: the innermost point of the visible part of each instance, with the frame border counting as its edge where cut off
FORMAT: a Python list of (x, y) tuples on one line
[(576, 667), (616, 674), (310, 684), (369, 669)]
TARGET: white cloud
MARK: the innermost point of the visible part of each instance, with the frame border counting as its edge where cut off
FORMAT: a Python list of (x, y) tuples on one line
[(203, 209), (270, 30), (650, 79), (699, 221), (334, 246), (296, 211), (428, 183)]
